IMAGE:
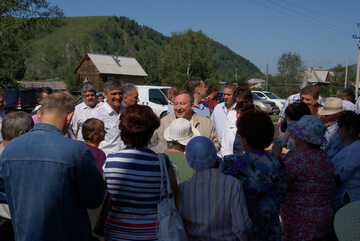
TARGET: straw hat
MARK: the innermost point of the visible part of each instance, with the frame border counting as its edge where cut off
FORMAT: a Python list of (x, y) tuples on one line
[(309, 128), (201, 153), (347, 222), (332, 106), (180, 130)]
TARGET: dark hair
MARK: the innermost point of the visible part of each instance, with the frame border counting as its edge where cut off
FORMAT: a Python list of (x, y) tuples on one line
[(212, 88), (40, 91), (91, 126), (347, 94), (350, 119), (244, 105), (2, 94), (311, 90), (15, 122), (137, 125), (297, 110), (257, 129), (243, 93), (192, 83)]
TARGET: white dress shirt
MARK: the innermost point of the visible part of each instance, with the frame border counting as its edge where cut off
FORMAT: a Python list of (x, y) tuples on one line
[(81, 114), (112, 142)]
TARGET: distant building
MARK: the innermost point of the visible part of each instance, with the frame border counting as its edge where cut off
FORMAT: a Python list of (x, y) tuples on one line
[(317, 76), (96, 69), (256, 83), (55, 85)]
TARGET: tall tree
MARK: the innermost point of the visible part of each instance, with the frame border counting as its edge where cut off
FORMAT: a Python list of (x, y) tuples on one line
[(188, 54), (20, 21), (338, 79), (290, 72)]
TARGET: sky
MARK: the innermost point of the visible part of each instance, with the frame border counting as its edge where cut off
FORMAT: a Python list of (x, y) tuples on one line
[(320, 31)]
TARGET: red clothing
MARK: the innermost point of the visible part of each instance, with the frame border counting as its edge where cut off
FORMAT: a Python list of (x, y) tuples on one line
[(211, 103), (307, 213)]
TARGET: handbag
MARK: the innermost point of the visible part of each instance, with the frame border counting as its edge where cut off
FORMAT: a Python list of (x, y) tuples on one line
[(170, 226)]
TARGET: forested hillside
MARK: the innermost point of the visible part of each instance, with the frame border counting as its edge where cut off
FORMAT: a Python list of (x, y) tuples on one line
[(57, 54)]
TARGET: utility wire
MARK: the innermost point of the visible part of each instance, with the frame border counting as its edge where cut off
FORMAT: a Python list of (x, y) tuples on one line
[(314, 19), (276, 10), (312, 11)]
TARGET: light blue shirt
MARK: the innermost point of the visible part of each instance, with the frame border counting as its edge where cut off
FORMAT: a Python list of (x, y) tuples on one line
[(347, 165), (202, 109), (334, 144)]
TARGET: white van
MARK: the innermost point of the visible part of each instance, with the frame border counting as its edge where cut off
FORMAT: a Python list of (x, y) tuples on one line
[(155, 97)]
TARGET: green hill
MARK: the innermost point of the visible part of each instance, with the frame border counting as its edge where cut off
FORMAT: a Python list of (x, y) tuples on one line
[(57, 54)]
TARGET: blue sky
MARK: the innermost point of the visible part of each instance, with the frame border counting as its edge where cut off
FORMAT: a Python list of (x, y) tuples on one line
[(259, 30)]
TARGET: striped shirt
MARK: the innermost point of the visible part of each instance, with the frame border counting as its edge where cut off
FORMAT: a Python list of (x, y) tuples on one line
[(213, 207), (133, 180)]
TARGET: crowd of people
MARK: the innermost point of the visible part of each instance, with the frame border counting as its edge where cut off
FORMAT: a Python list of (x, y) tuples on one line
[(92, 171)]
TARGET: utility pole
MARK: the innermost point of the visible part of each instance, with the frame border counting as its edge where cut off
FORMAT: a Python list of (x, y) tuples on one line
[(346, 72), (267, 81), (358, 66)]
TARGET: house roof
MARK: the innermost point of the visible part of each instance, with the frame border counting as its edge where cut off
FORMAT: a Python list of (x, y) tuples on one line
[(112, 64), (255, 81), (55, 85), (317, 75)]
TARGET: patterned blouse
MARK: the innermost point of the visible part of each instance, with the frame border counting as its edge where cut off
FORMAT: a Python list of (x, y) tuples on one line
[(264, 182), (307, 213)]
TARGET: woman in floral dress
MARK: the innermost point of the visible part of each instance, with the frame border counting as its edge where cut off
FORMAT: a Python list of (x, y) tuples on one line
[(307, 213), (263, 175)]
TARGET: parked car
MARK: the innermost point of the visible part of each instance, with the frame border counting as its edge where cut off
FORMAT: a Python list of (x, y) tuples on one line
[(27, 100), (155, 97), (220, 97), (12, 98), (267, 95), (265, 105)]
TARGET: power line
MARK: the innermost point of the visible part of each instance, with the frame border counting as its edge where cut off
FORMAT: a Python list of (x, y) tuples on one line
[(321, 25), (314, 19), (309, 10)]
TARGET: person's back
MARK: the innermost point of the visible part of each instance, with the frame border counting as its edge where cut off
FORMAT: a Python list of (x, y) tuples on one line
[(50, 181)]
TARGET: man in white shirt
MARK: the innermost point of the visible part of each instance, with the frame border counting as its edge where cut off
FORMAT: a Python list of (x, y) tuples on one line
[(109, 113), (83, 110), (221, 110)]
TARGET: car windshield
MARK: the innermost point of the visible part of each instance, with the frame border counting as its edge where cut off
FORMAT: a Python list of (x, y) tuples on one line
[(271, 95), (256, 97)]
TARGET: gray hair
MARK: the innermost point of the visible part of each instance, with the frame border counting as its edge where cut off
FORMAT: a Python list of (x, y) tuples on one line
[(127, 89), (112, 84), (176, 145), (191, 96), (59, 102), (88, 87), (15, 122)]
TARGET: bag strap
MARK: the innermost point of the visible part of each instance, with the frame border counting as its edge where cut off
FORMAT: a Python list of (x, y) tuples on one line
[(163, 169)]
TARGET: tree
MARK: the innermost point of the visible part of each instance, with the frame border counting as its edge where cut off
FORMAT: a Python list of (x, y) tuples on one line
[(290, 72), (20, 22), (188, 54), (338, 79)]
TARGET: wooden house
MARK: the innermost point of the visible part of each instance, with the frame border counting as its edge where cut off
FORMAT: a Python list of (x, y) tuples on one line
[(317, 76), (96, 69)]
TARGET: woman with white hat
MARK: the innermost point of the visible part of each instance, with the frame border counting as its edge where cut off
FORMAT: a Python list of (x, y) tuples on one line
[(177, 135), (307, 213)]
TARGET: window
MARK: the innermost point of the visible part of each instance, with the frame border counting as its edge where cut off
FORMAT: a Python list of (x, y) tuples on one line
[(110, 77), (157, 97)]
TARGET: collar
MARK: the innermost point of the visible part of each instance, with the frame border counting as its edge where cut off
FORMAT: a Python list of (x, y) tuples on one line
[(46, 127), (109, 110)]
